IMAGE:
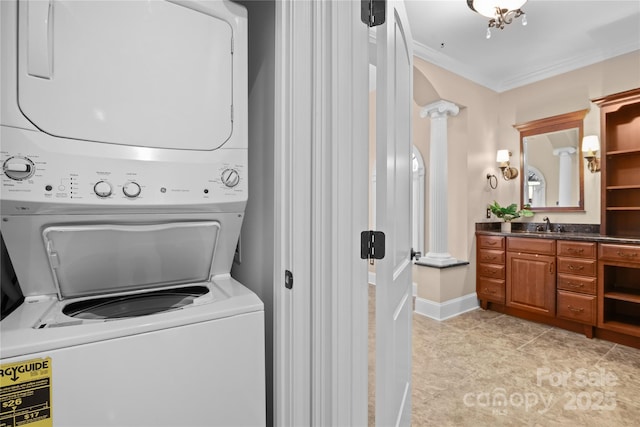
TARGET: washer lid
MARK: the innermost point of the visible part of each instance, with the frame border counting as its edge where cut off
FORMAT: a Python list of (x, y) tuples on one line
[(99, 259)]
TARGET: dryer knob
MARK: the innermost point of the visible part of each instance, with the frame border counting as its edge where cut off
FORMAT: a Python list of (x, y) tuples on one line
[(230, 177), (131, 189), (102, 189), (19, 168)]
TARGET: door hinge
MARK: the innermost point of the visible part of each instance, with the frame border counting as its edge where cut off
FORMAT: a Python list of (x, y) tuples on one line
[(373, 12), (372, 245)]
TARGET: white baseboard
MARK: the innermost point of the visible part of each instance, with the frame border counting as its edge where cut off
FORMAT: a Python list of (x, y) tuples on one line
[(448, 309)]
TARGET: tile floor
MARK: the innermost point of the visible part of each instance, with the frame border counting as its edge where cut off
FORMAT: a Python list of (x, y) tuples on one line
[(484, 368)]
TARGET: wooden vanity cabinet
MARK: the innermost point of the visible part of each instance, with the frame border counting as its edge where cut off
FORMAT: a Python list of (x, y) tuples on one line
[(577, 281), (590, 287), (490, 283), (619, 288), (531, 275)]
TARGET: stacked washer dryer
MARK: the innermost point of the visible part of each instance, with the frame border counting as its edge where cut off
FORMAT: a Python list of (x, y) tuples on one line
[(124, 153)]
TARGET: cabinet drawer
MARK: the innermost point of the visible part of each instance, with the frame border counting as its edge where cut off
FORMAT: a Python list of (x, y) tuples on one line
[(493, 271), (491, 289), (532, 246), (491, 242), (577, 307), (620, 253), (587, 285), (577, 249), (491, 256), (581, 267)]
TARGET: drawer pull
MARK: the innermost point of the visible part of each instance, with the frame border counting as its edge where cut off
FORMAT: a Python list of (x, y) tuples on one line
[(575, 309), (575, 285), (575, 251), (492, 242), (627, 255), (490, 291), (489, 271), (551, 267), (578, 268), (490, 257)]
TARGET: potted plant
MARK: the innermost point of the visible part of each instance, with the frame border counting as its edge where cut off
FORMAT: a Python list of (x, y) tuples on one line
[(508, 213)]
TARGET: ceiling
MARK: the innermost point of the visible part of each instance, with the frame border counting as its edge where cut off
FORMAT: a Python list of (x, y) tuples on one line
[(560, 36)]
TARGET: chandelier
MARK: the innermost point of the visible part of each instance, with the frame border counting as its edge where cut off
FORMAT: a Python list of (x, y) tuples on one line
[(499, 12)]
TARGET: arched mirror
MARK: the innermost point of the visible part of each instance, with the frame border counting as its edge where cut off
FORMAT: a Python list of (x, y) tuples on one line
[(551, 163), (417, 215)]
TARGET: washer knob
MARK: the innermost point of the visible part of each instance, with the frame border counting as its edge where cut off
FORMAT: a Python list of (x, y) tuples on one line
[(230, 177), (131, 189), (102, 189), (19, 168)]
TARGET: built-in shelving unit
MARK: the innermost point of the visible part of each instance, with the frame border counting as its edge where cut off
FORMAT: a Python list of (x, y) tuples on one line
[(619, 265), (621, 296), (620, 163)]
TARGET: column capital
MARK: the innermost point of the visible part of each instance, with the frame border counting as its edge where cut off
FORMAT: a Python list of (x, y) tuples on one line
[(564, 151), (440, 108)]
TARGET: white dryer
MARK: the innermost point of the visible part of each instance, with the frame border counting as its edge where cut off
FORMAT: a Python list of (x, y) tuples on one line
[(124, 155)]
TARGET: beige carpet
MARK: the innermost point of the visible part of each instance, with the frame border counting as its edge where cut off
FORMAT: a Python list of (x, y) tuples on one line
[(484, 368)]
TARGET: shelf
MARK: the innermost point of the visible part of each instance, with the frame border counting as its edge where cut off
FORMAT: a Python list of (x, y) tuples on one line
[(623, 152), (623, 296), (623, 187), (625, 324)]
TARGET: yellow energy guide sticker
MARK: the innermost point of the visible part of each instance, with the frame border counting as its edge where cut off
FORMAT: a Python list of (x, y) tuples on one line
[(25, 393)]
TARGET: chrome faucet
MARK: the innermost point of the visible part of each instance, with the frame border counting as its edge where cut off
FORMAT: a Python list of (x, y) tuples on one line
[(548, 226)]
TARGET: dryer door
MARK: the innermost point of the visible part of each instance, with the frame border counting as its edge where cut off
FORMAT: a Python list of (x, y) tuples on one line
[(140, 73)]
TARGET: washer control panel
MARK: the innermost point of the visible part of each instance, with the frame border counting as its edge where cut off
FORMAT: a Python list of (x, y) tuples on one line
[(30, 174)]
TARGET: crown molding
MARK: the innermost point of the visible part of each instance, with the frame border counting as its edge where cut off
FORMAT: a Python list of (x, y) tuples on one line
[(504, 84)]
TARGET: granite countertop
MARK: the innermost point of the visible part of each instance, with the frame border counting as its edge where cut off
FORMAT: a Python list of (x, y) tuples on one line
[(582, 232)]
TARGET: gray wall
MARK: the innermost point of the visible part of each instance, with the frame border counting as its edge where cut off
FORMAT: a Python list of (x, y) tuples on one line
[(256, 269)]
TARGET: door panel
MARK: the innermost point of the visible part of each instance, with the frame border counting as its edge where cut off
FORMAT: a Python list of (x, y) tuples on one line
[(531, 283), (394, 306), (79, 61)]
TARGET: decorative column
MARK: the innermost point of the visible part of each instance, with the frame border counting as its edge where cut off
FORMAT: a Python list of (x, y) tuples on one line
[(565, 174), (438, 255)]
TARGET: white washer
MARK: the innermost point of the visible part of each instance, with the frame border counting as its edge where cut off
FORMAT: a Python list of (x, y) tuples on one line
[(124, 154), (199, 363)]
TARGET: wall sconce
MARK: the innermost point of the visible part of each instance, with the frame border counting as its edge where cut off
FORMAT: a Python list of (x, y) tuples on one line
[(590, 147), (507, 171)]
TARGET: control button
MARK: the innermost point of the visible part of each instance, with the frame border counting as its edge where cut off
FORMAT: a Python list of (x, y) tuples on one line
[(230, 177), (102, 189), (19, 168), (131, 189), (61, 187), (48, 188)]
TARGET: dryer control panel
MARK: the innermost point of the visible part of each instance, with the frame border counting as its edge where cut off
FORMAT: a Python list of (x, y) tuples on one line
[(142, 177)]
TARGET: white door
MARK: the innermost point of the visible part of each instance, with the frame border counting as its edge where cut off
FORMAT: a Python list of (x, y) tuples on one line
[(393, 217)]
